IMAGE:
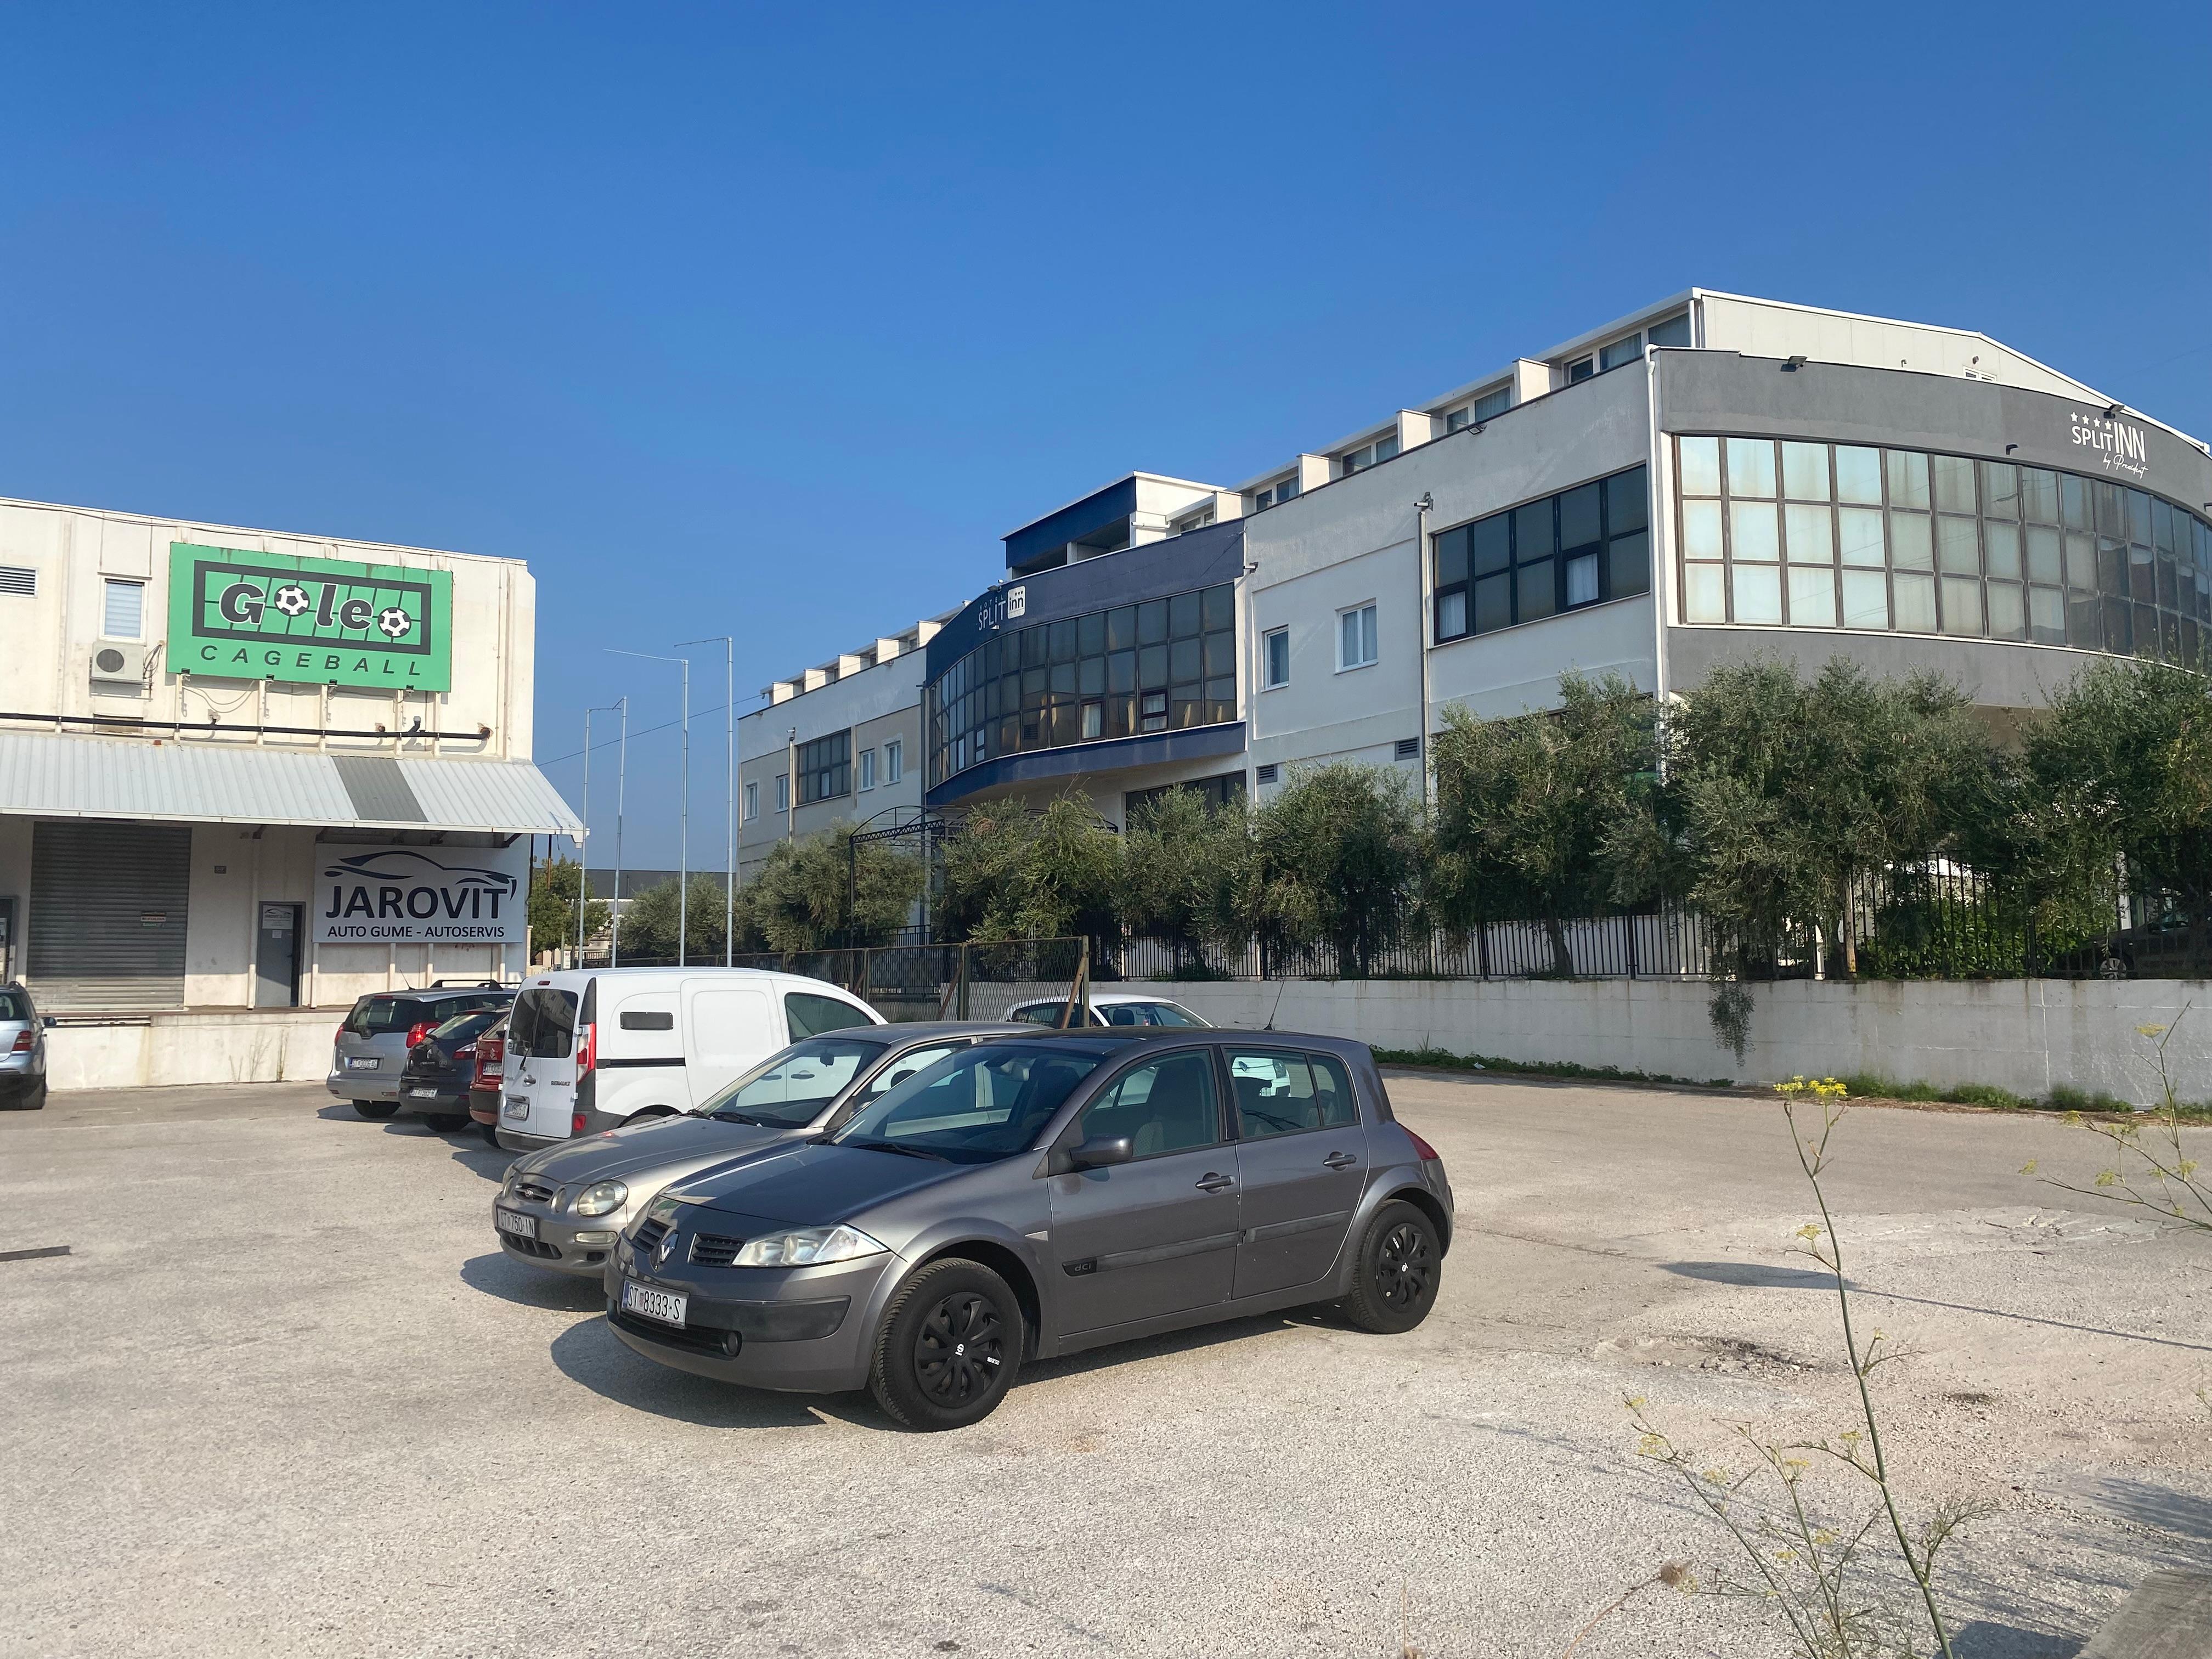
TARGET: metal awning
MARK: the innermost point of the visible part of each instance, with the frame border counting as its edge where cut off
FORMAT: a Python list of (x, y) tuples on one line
[(61, 776)]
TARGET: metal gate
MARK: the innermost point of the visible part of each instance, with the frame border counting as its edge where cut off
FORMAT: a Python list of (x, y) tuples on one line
[(106, 924)]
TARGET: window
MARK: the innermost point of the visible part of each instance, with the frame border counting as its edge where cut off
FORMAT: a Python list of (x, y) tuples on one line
[(1355, 637), (1197, 520), (1225, 790), (894, 760), (123, 612), (1367, 455), (752, 801), (1487, 407), (825, 768), (1903, 540), (783, 792), (1621, 351), (986, 1103), (1579, 547), (1580, 370), (1276, 494), (1674, 331), (807, 1015), (1275, 658), (1275, 1093), (866, 769), (1158, 665), (1166, 1106)]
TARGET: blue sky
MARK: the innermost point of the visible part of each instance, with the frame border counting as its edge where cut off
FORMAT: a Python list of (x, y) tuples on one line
[(734, 320)]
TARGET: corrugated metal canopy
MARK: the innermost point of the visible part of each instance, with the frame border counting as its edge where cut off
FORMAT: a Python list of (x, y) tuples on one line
[(58, 774)]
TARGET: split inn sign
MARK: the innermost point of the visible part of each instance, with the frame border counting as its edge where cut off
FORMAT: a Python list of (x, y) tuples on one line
[(235, 614)]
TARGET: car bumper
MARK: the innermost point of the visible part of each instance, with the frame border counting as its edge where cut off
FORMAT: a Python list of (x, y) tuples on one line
[(443, 1104), (362, 1085), (483, 1106), (516, 1141), (565, 1244), (808, 1330)]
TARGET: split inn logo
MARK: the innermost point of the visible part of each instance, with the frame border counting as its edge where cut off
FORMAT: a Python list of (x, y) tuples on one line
[(2118, 446), (398, 893), (1009, 604)]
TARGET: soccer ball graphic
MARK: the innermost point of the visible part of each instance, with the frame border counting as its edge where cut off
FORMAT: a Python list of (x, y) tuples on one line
[(395, 623), (292, 599)]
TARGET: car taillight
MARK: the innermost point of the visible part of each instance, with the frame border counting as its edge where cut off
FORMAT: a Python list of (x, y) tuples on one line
[(465, 1051), (340, 1037), (1428, 1152), (587, 1049), (417, 1031), (24, 1042), (576, 1124)]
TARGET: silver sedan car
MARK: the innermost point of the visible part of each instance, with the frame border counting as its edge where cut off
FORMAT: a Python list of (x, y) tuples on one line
[(1037, 1196), (22, 1051), (563, 1206)]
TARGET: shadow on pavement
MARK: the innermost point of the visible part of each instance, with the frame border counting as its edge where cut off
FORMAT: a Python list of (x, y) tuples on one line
[(1159, 1347), (1984, 1640), (588, 1352), (499, 1274), (2143, 1504), (1755, 1273)]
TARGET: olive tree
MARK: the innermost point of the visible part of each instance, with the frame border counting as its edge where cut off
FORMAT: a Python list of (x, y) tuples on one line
[(1187, 872), (1011, 871), (1340, 853), (557, 886), (826, 890)]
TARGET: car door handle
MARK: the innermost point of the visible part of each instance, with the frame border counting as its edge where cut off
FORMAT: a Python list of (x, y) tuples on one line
[(1340, 1160), (1211, 1182)]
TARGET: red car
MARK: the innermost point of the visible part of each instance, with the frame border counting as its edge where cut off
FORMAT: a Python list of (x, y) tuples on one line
[(483, 1084)]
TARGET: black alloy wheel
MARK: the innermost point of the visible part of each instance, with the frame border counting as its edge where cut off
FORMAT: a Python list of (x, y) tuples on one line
[(376, 1108), (948, 1347), (1400, 1268)]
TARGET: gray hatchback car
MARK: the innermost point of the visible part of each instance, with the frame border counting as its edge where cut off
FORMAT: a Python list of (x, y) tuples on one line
[(22, 1051), (562, 1207), (369, 1054), (1036, 1195)]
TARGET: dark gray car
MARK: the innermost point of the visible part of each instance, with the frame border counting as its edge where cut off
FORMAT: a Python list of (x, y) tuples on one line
[(562, 1207), (369, 1054), (1037, 1196)]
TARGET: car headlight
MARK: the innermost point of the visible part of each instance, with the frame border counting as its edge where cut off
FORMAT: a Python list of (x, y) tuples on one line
[(602, 1198), (806, 1247)]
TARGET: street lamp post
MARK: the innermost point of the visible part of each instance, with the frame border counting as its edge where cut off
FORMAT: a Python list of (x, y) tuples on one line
[(584, 841), (684, 819), (621, 778), (730, 775)]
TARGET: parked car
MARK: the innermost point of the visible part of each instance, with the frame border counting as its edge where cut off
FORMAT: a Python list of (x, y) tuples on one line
[(489, 1066), (1113, 1008), (370, 1052), (589, 1049), (2166, 943), (1032, 1196), (440, 1070), (562, 1207), (22, 1051)]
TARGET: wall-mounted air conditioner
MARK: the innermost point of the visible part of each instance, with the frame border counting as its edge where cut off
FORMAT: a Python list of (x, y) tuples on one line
[(120, 660)]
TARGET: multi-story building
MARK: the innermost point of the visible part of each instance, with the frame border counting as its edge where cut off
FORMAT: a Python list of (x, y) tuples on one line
[(1704, 479)]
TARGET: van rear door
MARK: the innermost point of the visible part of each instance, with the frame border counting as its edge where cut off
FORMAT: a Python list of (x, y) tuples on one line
[(727, 1028), (540, 1086)]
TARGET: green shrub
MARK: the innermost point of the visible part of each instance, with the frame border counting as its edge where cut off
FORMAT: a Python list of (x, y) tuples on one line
[(1985, 1094)]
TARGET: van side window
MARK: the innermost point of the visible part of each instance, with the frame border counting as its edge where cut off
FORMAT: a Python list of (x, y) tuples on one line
[(809, 1014), (543, 1024), (647, 1020)]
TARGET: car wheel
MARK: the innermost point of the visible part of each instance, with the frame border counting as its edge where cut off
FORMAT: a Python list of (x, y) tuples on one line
[(490, 1133), (374, 1109), (1400, 1266), (948, 1347), (445, 1123), (2112, 968)]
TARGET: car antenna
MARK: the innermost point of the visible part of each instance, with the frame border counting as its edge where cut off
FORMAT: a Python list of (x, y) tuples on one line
[(1281, 986)]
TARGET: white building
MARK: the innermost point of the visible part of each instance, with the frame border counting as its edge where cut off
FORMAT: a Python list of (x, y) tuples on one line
[(245, 770)]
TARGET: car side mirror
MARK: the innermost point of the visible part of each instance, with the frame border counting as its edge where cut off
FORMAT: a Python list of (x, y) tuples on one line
[(1102, 1151), (48, 1022)]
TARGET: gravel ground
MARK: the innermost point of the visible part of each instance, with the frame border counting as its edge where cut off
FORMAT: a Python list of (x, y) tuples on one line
[(285, 1395)]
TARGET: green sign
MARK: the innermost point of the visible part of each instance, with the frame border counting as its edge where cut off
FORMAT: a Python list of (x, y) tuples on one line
[(247, 616)]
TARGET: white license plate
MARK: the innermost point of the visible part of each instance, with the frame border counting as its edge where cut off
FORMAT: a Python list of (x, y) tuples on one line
[(522, 1226), (666, 1306), (424, 1094), (516, 1107), (363, 1063)]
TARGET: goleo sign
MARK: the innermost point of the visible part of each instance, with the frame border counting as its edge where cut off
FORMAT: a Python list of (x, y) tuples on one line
[(419, 896), (249, 615)]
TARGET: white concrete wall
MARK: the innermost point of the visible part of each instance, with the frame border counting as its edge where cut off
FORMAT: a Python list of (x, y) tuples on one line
[(1772, 328), (2027, 1036), (269, 1046)]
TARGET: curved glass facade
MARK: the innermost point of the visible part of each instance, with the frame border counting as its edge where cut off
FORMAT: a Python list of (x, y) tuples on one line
[(1776, 533), (1160, 665)]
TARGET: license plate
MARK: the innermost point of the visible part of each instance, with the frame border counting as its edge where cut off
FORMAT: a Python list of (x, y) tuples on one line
[(424, 1094), (517, 1107), (362, 1063), (522, 1226), (665, 1306)]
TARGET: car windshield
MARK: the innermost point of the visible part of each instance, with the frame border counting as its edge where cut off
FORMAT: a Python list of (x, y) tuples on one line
[(793, 1086), (462, 1027), (985, 1102)]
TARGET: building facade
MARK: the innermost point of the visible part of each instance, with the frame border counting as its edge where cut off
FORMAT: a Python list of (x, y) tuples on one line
[(248, 769)]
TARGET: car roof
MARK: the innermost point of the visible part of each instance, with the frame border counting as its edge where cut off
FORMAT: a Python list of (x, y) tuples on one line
[(574, 979), (1101, 998), (1124, 1036)]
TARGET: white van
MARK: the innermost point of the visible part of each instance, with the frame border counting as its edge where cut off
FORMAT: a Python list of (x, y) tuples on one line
[(588, 1049)]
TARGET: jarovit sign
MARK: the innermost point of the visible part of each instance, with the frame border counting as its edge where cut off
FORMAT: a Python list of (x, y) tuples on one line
[(419, 896), (248, 615)]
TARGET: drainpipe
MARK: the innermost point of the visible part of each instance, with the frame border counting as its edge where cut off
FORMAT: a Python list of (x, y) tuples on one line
[(1662, 544), (1421, 510)]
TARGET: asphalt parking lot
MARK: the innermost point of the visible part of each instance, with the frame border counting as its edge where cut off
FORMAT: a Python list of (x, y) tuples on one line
[(284, 1394)]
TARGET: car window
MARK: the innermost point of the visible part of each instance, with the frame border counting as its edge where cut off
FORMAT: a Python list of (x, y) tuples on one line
[(543, 1024), (462, 1027), (1333, 1084), (1123, 1014), (914, 1061), (13, 1005), (988, 1101), (794, 1086), (1276, 1094), (374, 1015), (1170, 1013), (809, 1014), (1038, 1014), (1166, 1105)]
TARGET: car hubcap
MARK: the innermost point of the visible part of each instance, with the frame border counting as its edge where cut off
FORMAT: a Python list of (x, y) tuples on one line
[(1403, 1273), (961, 1351)]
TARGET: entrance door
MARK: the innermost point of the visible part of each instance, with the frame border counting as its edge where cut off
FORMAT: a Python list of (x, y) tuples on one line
[(277, 957)]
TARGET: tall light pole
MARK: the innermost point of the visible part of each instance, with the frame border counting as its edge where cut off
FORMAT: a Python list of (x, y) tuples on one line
[(621, 778), (683, 820), (730, 775), (584, 841)]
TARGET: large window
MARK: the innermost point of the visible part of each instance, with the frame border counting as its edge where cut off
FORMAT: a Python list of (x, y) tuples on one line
[(1784, 534), (825, 768), (123, 610), (1160, 665), (1580, 547)]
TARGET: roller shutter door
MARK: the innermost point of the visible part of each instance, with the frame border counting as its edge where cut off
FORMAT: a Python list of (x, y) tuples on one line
[(106, 927)]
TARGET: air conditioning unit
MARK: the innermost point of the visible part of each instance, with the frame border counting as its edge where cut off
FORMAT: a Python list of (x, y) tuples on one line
[(120, 660)]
